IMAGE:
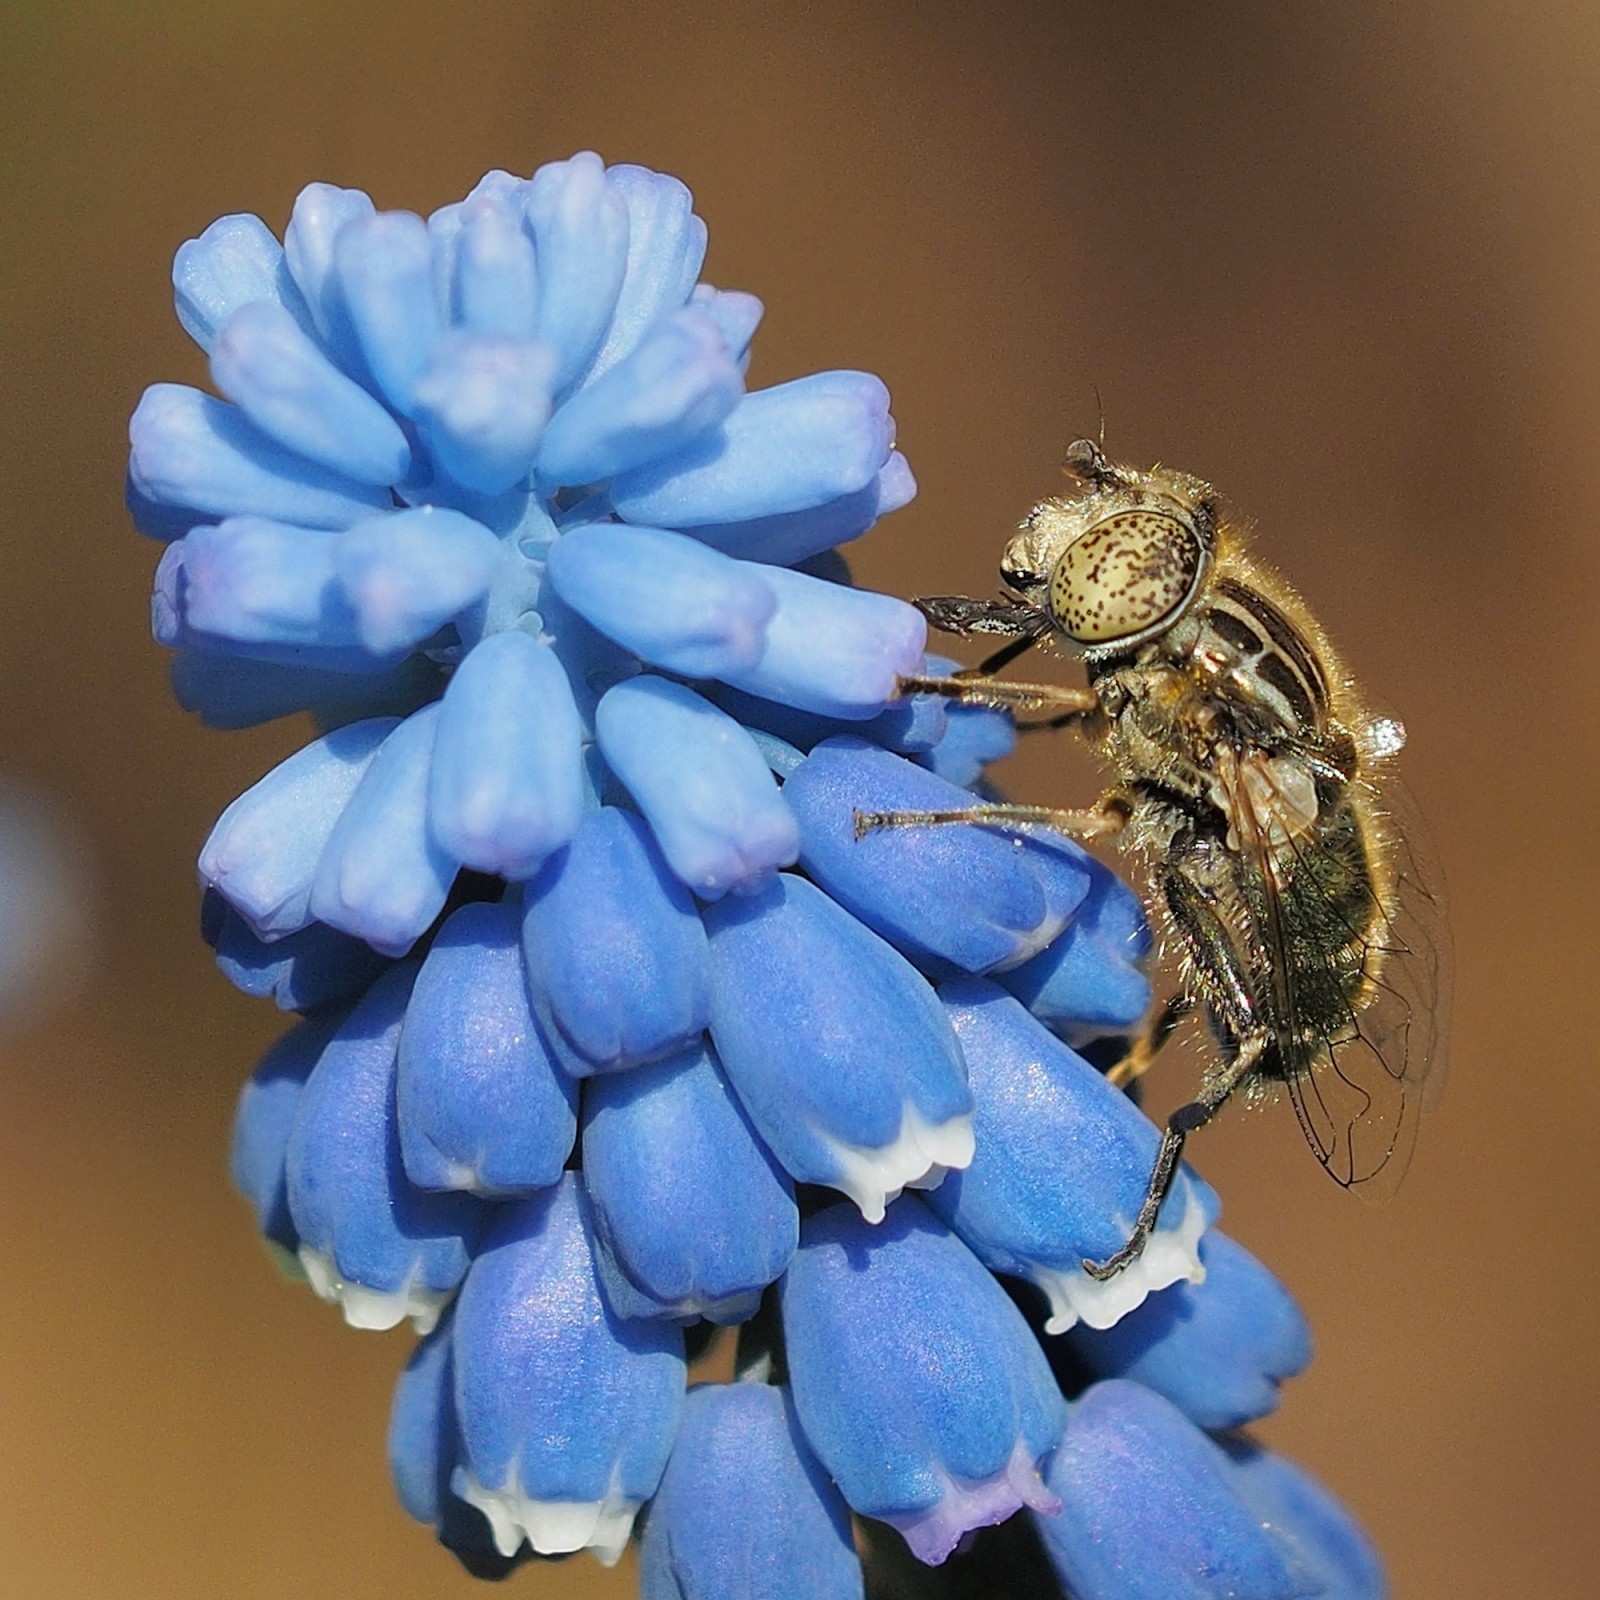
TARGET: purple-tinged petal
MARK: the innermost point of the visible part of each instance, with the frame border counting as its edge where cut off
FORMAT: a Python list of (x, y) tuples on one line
[(381, 876), (507, 786), (918, 1383), (666, 598), (253, 581), (697, 1233), (262, 854), (701, 782), (838, 1049), (616, 954), (481, 1104), (789, 448), (738, 314)]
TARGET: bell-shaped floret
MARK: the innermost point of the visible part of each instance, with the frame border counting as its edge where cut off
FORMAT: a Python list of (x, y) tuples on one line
[(300, 972), (273, 370), (579, 220), (483, 404), (701, 782), (369, 1239), (793, 536), (693, 1215), (838, 1049), (1217, 1349), (666, 245), (974, 737), (955, 897), (265, 1117), (615, 950), (665, 597), (677, 384), (257, 588), (736, 312), (481, 1104), (1063, 1160), (262, 854), (406, 574), (322, 211), (495, 280), (917, 1381), (384, 265), (1326, 1538), (191, 450), (232, 691), (566, 1411), (837, 651), (1092, 979), (1151, 1509), (235, 262), (381, 875), (744, 1511), (789, 448), (424, 1448), (507, 782)]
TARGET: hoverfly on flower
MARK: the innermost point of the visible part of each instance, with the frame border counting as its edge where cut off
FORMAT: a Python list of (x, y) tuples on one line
[(1282, 871)]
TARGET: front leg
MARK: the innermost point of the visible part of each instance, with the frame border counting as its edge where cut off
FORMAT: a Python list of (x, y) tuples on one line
[(1108, 816), (1057, 700)]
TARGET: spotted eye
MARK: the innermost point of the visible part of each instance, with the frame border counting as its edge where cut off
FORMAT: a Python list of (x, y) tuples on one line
[(1125, 576)]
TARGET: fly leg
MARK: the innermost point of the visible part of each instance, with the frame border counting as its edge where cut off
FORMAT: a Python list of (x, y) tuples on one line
[(1058, 701), (1138, 1060), (1108, 816), (1184, 1121)]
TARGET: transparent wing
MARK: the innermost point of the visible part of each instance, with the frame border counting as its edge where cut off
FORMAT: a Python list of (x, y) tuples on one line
[(1361, 1071)]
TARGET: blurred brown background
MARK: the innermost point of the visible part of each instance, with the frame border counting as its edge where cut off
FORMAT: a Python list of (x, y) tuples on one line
[(1340, 259)]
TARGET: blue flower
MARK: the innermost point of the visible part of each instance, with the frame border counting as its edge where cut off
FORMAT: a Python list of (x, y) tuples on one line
[(602, 991), (1151, 1509)]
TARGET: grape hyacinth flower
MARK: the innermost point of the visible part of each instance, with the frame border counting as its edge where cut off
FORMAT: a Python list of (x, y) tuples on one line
[(613, 1031)]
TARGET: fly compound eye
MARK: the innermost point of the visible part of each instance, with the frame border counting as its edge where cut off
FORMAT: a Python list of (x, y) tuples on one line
[(1125, 577)]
